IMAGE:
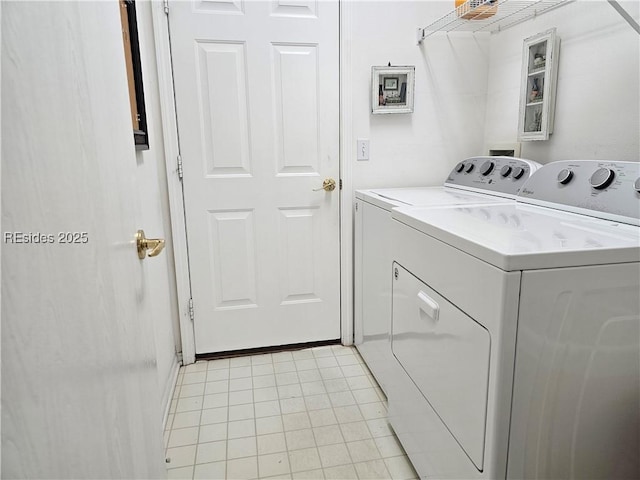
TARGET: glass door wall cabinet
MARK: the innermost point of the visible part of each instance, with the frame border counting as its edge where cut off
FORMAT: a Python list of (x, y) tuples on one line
[(539, 79)]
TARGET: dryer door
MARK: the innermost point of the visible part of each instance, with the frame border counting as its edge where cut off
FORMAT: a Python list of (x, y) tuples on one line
[(446, 354)]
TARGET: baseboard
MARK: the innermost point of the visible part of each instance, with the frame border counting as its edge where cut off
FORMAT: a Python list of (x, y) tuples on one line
[(169, 388)]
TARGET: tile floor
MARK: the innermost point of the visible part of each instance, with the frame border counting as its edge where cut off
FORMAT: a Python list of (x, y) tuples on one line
[(306, 414)]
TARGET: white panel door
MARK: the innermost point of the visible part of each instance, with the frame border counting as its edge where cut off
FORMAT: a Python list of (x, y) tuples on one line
[(79, 388), (257, 102)]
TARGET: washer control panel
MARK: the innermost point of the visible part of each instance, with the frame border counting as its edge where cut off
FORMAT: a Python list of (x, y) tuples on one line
[(604, 189), (502, 176)]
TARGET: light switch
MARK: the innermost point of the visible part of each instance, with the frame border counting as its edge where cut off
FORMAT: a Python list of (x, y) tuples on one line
[(363, 149)]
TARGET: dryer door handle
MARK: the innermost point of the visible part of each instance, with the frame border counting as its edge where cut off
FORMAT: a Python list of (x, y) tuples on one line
[(428, 305)]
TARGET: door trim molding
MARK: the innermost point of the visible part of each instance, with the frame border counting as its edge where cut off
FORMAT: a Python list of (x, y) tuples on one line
[(346, 174), (174, 185)]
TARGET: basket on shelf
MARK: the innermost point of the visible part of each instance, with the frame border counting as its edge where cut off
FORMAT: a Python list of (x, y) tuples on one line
[(476, 9)]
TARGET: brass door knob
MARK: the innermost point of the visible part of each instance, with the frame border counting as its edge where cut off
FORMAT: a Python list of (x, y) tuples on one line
[(154, 245), (329, 185)]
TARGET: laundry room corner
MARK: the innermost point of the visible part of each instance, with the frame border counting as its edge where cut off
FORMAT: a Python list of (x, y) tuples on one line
[(450, 95), (598, 79)]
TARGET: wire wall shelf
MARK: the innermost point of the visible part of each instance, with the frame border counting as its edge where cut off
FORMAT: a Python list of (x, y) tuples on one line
[(489, 16)]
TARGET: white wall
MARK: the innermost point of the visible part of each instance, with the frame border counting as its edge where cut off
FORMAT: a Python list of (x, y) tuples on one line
[(155, 217), (451, 86), (598, 95)]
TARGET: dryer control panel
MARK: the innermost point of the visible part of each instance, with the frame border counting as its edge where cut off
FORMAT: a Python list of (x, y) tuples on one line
[(502, 176), (603, 189)]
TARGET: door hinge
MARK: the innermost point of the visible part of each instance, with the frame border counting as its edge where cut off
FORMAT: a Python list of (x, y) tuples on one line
[(340, 184), (191, 314), (180, 173), (356, 206), (165, 4)]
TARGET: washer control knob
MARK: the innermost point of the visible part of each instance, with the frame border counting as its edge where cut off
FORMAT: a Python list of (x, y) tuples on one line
[(602, 178), (565, 176), (459, 167), (518, 172), (505, 171), (469, 168), (636, 185), (487, 167)]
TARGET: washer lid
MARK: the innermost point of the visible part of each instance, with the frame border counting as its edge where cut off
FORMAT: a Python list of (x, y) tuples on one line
[(388, 198), (524, 237)]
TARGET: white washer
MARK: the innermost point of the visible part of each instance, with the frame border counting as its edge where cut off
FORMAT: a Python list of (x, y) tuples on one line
[(472, 181), (518, 330)]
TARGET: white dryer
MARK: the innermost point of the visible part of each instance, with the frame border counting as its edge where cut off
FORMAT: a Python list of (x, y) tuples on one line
[(472, 181), (517, 327)]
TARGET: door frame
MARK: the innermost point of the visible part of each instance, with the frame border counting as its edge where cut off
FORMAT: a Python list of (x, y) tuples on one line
[(175, 187)]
